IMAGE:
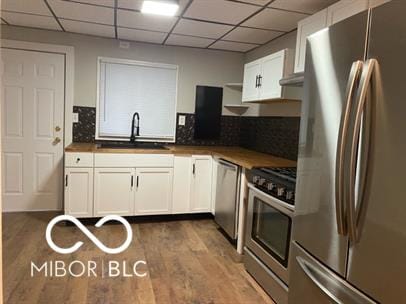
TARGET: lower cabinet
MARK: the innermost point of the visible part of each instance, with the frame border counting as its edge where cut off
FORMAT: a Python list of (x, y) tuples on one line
[(153, 194), (201, 184), (79, 192), (114, 191)]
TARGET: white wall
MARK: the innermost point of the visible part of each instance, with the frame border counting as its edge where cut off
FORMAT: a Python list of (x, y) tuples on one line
[(278, 108), (196, 66)]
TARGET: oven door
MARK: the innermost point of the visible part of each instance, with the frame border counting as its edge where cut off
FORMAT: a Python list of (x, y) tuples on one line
[(269, 222)]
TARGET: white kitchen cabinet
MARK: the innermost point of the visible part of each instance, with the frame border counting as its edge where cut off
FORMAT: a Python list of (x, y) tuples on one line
[(153, 191), (261, 78), (114, 191), (250, 89), (345, 9), (305, 28), (79, 192), (182, 176), (201, 194)]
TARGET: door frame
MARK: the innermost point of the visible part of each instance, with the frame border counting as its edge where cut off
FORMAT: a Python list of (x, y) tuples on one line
[(68, 52)]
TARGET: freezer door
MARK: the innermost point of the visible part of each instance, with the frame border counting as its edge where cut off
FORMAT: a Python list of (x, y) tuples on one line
[(377, 260), (311, 282), (330, 56)]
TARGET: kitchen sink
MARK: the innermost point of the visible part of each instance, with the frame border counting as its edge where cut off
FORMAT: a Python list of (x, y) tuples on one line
[(140, 145)]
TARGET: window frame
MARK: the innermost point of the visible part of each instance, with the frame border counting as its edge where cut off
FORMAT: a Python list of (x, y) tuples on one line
[(136, 63)]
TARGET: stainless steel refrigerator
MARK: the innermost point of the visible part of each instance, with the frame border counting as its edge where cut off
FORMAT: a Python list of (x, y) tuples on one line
[(349, 229)]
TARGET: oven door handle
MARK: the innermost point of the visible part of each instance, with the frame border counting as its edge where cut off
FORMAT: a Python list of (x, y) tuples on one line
[(272, 201)]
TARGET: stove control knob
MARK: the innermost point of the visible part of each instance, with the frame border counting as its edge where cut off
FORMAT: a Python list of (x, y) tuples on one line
[(261, 181), (289, 195), (270, 186), (281, 191), (255, 179)]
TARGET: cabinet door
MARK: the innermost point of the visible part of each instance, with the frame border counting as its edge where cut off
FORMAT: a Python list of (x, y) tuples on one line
[(250, 90), (305, 28), (153, 193), (181, 184), (272, 70), (345, 9), (114, 191), (201, 184), (79, 192)]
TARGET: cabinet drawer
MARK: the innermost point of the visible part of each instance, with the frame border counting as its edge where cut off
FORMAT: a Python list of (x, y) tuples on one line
[(78, 159), (110, 160)]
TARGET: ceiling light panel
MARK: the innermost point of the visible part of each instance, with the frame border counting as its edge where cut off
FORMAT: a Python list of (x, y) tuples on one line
[(188, 41), (82, 12), (140, 21), (201, 29), (88, 28), (304, 6), (274, 19), (36, 21), (141, 35), (243, 34), (161, 8), (137, 5), (233, 46), (220, 11), (26, 6)]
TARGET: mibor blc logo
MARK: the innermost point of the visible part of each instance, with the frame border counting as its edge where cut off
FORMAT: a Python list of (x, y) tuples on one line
[(77, 268), (90, 235)]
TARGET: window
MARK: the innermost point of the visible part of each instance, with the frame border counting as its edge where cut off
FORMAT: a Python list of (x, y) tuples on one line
[(126, 87)]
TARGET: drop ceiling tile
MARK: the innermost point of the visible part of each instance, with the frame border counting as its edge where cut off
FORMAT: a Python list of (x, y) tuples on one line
[(304, 6), (188, 41), (88, 28), (141, 35), (233, 46), (201, 29), (137, 5), (26, 6), (220, 11), (27, 20), (145, 22), (82, 12), (257, 2), (2, 21), (243, 34), (109, 3), (275, 19)]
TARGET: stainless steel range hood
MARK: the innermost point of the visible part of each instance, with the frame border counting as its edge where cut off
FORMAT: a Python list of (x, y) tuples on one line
[(292, 80)]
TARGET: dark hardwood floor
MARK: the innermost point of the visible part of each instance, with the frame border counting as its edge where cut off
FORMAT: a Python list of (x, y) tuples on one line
[(187, 262)]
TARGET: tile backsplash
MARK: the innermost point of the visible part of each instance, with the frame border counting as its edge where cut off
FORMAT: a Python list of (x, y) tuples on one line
[(278, 136)]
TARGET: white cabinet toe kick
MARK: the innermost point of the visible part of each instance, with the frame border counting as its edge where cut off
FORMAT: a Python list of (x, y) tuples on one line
[(100, 184)]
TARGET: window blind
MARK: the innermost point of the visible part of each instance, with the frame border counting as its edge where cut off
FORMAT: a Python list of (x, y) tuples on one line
[(149, 89)]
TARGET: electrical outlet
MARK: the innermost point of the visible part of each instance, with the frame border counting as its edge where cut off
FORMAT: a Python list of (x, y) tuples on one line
[(75, 117), (182, 120)]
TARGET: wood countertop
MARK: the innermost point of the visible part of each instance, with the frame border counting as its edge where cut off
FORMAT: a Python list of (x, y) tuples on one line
[(240, 156)]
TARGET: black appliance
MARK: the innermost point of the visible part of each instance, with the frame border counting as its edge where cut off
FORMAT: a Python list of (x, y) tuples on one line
[(209, 103)]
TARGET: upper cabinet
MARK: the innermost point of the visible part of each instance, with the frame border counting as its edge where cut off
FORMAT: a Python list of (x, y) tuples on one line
[(305, 28), (345, 9), (329, 16), (261, 78)]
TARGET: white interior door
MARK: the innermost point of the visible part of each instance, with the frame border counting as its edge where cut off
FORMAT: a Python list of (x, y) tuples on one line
[(32, 129)]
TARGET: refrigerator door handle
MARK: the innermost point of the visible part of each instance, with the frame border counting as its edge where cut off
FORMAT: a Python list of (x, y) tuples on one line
[(337, 290), (360, 148), (341, 145)]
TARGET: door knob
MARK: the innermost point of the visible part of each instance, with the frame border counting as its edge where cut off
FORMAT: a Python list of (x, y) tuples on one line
[(57, 128), (57, 140)]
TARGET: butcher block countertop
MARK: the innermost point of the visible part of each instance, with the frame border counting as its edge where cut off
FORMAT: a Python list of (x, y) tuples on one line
[(240, 156)]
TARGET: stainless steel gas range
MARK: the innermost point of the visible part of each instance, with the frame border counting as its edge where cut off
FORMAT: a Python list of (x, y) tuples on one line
[(269, 221)]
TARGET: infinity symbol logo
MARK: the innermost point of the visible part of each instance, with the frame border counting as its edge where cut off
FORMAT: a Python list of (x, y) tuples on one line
[(90, 235)]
